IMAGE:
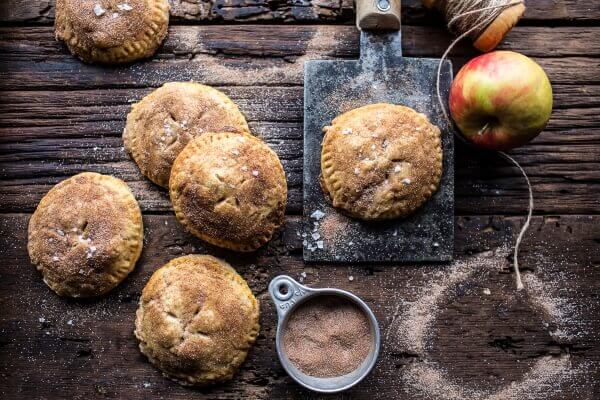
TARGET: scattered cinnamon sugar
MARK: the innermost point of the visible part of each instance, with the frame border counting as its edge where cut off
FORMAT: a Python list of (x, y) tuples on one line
[(327, 337), (411, 331)]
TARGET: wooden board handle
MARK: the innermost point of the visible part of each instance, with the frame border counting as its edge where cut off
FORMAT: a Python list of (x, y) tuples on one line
[(378, 15)]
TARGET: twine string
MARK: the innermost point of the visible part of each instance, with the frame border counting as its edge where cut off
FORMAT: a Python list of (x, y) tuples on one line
[(467, 17)]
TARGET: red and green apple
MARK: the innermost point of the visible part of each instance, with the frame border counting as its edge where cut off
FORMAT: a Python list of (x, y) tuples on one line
[(501, 100)]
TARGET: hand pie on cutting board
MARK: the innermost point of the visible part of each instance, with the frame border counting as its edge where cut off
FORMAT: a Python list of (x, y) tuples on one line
[(380, 161)]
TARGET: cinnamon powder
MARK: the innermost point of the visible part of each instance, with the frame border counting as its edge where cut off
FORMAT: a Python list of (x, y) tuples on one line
[(327, 336)]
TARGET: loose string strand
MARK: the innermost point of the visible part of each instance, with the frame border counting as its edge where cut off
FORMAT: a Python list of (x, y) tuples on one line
[(461, 14)]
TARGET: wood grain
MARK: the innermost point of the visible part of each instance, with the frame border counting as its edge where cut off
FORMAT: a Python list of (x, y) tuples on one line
[(235, 57), (96, 356), (548, 11)]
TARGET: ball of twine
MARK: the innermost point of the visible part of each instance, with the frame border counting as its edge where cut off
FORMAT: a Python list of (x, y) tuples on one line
[(473, 16)]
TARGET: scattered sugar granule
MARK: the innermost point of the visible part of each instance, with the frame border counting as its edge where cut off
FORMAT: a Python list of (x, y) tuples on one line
[(81, 271), (115, 15), (317, 214), (385, 143), (436, 244), (70, 322), (42, 319), (346, 131), (255, 173), (350, 243), (375, 135), (98, 10), (350, 278), (91, 251), (61, 233), (397, 168), (236, 152), (487, 291), (315, 235), (372, 147), (303, 274), (406, 181), (395, 232), (147, 384), (124, 7), (320, 244), (55, 258), (244, 168), (356, 170)]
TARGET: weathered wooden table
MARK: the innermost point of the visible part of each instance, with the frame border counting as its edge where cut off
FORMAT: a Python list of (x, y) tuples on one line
[(451, 331)]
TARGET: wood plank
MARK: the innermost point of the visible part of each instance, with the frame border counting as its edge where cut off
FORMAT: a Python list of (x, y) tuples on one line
[(538, 11), (220, 57), (37, 43), (86, 349), (209, 57)]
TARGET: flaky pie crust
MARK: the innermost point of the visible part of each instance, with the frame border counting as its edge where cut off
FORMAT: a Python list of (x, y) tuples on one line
[(196, 320), (229, 190), (86, 235), (380, 161), (112, 31)]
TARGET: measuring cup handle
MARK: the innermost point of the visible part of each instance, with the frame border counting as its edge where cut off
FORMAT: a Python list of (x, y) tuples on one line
[(285, 292)]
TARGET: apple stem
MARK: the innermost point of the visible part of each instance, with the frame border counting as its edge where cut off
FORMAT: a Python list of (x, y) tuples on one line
[(482, 130), (525, 225)]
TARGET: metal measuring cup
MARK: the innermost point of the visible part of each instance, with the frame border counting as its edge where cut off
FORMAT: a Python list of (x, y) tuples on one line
[(287, 294)]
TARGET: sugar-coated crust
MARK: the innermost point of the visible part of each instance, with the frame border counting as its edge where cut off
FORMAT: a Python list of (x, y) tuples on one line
[(196, 320), (380, 161), (86, 235), (163, 122), (112, 31), (230, 190)]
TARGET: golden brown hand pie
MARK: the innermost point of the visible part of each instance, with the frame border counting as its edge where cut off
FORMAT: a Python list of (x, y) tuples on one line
[(380, 161), (229, 190), (162, 123), (112, 31), (197, 320), (86, 235)]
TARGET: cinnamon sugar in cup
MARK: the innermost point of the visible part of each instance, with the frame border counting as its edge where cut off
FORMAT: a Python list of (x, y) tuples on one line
[(327, 340)]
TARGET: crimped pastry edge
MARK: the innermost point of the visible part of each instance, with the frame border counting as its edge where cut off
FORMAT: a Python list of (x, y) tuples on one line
[(204, 379), (143, 46), (134, 245), (258, 241), (330, 185)]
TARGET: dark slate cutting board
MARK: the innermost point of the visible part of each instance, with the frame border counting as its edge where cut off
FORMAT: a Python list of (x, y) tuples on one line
[(334, 87)]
